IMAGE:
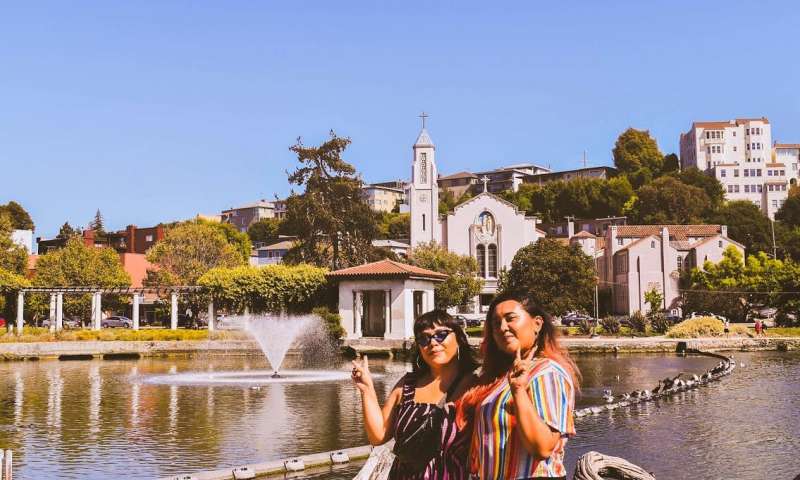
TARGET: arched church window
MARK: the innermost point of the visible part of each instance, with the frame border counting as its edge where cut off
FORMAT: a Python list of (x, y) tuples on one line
[(492, 261), (481, 257), (423, 168)]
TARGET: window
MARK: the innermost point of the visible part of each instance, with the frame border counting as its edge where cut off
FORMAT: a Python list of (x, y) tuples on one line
[(747, 146), (794, 167), (481, 257), (783, 187), (734, 134), (746, 172), (774, 204), (720, 244), (747, 188), (423, 222), (722, 173), (736, 189), (734, 148), (759, 172), (680, 263), (493, 261), (760, 188), (769, 173), (423, 167), (769, 187), (730, 188), (619, 241), (148, 238), (735, 172), (783, 172), (652, 244)]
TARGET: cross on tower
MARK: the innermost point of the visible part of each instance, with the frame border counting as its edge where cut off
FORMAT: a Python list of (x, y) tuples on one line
[(423, 117), (485, 181)]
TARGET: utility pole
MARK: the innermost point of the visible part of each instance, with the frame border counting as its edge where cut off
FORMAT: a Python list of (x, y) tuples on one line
[(584, 159)]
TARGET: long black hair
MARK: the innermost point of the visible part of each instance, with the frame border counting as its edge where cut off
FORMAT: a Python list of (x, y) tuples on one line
[(467, 359)]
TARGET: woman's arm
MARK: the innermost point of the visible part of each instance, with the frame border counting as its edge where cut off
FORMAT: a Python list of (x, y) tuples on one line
[(378, 423), (536, 436)]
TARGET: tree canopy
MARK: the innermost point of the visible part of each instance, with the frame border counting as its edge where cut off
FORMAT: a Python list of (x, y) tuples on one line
[(462, 283), (335, 227), (789, 213), (97, 224), (19, 217), (667, 200), (746, 224), (189, 250), (394, 226), (264, 231), (636, 154), (561, 277), (13, 257)]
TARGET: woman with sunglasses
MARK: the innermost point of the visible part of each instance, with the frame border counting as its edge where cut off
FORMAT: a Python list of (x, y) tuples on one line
[(520, 411), (420, 412)]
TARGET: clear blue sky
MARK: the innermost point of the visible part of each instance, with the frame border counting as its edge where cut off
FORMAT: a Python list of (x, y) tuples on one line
[(156, 111)]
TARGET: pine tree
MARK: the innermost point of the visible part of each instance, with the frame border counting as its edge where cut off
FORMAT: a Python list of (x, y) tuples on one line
[(97, 223)]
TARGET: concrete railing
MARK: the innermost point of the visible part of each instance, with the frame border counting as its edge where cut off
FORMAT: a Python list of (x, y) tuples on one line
[(6, 463)]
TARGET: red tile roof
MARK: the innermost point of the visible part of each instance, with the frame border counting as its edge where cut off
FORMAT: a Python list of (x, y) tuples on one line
[(386, 269), (678, 232), (583, 234), (787, 145)]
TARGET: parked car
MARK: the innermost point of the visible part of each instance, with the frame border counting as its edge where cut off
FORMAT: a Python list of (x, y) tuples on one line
[(572, 319), (461, 320), (117, 321), (67, 322)]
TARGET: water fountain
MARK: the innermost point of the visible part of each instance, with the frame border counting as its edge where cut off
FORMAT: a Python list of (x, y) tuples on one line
[(275, 334)]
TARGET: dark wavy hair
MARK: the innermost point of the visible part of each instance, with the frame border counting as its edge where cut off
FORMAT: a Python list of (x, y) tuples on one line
[(467, 360)]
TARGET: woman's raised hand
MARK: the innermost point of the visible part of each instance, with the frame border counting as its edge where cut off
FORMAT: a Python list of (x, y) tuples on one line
[(518, 375), (361, 376)]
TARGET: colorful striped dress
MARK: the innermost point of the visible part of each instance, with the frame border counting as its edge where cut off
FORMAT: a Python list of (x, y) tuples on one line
[(450, 462), (497, 453)]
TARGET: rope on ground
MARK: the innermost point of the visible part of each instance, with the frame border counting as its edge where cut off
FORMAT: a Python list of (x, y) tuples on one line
[(596, 466)]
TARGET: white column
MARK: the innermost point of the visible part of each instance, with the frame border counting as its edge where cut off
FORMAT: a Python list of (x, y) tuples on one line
[(59, 311), (358, 312), (93, 314), (52, 316), (211, 316), (387, 308), (135, 311), (98, 310), (20, 311), (174, 312)]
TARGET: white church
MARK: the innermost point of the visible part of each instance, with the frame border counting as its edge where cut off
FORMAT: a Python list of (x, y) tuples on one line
[(485, 227)]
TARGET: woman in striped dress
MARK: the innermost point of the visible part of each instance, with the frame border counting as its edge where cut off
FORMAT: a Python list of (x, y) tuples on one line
[(443, 369), (520, 411)]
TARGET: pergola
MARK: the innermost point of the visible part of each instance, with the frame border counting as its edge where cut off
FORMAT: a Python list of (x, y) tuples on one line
[(57, 303)]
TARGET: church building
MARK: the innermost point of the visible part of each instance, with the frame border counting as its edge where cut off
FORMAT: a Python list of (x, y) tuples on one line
[(485, 227)]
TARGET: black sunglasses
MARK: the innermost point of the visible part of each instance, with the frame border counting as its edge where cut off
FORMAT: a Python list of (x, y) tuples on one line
[(424, 339)]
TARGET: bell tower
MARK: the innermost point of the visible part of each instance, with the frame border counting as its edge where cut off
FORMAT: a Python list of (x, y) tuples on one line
[(424, 190)]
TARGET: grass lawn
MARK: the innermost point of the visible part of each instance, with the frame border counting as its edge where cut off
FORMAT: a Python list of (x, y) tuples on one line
[(783, 332), (36, 334)]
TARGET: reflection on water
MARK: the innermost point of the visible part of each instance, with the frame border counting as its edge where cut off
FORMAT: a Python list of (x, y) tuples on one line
[(100, 419)]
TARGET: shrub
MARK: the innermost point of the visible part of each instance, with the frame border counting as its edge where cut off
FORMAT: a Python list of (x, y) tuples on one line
[(611, 325), (585, 327), (659, 322), (332, 321), (697, 327), (638, 322)]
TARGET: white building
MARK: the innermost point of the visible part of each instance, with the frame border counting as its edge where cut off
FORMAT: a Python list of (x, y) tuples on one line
[(383, 199), (23, 238), (485, 227), (738, 153), (641, 258), (788, 154)]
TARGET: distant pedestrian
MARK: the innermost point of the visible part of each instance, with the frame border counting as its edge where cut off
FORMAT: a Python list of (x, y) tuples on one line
[(758, 326), (764, 329), (727, 326)]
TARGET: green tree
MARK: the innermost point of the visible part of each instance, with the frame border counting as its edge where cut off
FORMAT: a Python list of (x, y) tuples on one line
[(561, 277), (714, 190), (394, 226), (746, 224), (335, 228), (9, 284), (637, 153), (732, 286), (79, 265), (462, 283), (654, 299), (671, 164), (789, 213), (669, 201), (13, 257), (67, 231), (19, 217), (264, 230), (189, 250), (97, 223)]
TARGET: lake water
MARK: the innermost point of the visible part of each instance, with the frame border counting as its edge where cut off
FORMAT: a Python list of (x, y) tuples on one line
[(102, 419)]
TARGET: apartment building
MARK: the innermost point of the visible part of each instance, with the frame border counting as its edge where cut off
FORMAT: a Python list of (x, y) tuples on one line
[(738, 153), (383, 199), (244, 216), (788, 154)]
